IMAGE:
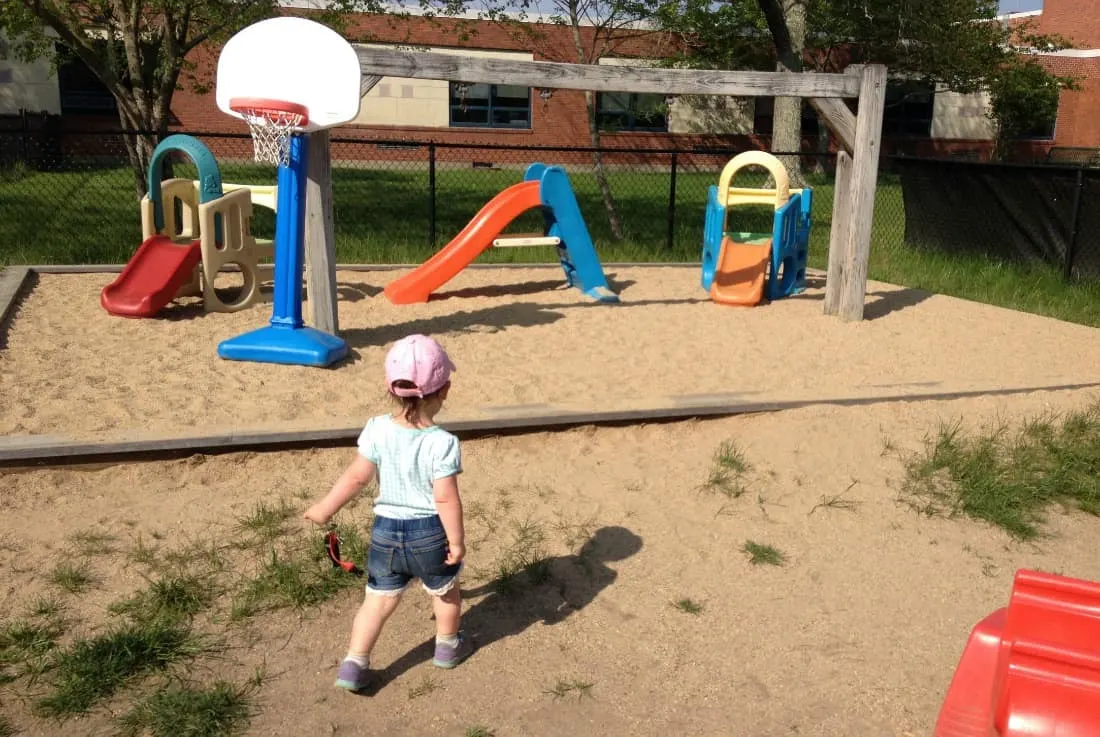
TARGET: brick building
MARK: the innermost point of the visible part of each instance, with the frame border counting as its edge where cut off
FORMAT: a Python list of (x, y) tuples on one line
[(927, 123)]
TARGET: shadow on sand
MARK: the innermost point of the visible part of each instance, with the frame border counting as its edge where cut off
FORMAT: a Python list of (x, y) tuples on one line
[(556, 587)]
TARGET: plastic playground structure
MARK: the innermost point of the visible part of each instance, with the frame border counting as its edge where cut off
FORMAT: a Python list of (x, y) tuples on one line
[(191, 229), (741, 268), (544, 187), (1031, 669)]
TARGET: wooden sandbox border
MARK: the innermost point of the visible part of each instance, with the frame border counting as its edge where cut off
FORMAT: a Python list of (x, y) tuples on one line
[(28, 451)]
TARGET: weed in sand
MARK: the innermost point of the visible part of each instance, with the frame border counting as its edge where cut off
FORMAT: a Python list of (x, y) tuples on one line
[(479, 732), (7, 729), (172, 598), (143, 554), (72, 578), (523, 557), (688, 606), (202, 555), (837, 501), (760, 554), (1009, 479), (91, 670), (25, 647), (576, 533), (297, 580), (426, 686), (219, 710), (93, 542), (728, 471), (564, 687), (46, 607), (265, 522)]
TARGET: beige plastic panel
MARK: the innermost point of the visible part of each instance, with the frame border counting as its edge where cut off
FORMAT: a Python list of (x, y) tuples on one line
[(181, 230), (238, 247)]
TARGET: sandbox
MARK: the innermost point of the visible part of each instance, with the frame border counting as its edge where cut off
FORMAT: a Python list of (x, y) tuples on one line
[(522, 344)]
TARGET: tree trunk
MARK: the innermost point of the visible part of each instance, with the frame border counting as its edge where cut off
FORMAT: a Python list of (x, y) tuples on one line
[(787, 22), (151, 125), (613, 218)]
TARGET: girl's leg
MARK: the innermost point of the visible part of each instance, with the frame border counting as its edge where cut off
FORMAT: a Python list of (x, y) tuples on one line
[(451, 646), (448, 612), (369, 620)]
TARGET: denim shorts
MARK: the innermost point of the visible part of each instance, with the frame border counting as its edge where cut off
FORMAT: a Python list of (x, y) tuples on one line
[(404, 549)]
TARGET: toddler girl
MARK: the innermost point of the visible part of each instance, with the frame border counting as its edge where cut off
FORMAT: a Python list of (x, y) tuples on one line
[(418, 531)]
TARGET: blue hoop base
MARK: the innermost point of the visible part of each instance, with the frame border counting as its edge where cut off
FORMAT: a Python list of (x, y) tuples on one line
[(302, 346)]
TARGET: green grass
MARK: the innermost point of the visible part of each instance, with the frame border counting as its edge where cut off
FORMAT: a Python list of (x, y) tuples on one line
[(565, 687), (1010, 478), (479, 732), (221, 709), (91, 216), (728, 470), (174, 598), (761, 554), (72, 578), (688, 606), (94, 669)]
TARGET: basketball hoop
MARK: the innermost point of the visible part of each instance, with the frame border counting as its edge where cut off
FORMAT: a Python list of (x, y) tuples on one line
[(271, 123)]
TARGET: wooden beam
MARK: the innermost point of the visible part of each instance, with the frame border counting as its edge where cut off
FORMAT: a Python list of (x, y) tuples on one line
[(25, 451), (838, 235), (320, 239), (367, 82), (864, 180), (12, 280), (474, 70), (840, 120)]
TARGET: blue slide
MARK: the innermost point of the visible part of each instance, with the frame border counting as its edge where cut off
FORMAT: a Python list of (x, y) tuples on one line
[(563, 220)]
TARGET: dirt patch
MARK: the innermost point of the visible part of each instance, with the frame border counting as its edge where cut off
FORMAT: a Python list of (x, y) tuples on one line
[(857, 632)]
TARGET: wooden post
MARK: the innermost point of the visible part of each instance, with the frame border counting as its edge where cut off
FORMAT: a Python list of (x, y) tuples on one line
[(320, 241), (864, 179), (838, 235)]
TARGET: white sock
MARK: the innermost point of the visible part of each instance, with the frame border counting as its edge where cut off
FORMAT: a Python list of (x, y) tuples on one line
[(361, 660), (448, 640)]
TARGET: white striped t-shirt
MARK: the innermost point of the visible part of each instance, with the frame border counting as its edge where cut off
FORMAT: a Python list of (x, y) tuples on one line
[(408, 460)]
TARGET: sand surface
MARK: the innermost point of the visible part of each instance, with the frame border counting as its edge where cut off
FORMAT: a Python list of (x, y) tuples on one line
[(858, 634), (71, 370)]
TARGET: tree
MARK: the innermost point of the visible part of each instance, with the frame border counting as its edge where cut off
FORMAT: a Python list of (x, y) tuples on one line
[(138, 49), (786, 21), (1024, 101), (597, 29), (958, 44)]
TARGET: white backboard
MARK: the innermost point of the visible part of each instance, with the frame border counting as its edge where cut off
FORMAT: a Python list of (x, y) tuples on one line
[(294, 60)]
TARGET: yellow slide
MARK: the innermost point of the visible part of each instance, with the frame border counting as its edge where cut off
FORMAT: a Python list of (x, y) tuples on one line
[(740, 271)]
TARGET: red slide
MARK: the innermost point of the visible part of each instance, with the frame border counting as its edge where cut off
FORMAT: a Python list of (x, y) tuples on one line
[(152, 278), (478, 235)]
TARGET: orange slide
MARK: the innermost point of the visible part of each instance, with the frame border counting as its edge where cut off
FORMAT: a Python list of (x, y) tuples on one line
[(740, 271), (477, 236)]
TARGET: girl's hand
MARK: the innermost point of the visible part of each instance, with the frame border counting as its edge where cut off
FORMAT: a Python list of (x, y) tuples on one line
[(317, 514), (455, 553)]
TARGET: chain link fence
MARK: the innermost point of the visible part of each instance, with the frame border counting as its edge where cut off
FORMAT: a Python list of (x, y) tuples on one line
[(71, 198)]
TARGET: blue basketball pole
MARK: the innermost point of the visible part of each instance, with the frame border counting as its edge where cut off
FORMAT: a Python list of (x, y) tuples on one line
[(286, 339)]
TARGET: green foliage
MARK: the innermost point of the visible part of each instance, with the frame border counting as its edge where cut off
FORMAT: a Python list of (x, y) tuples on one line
[(1024, 101), (952, 42)]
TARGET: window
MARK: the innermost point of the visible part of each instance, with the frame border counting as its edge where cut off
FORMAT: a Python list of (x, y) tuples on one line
[(909, 108), (1042, 128), (490, 106), (81, 91), (631, 111), (764, 113)]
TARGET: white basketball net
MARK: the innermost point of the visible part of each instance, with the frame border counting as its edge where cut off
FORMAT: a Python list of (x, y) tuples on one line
[(271, 131)]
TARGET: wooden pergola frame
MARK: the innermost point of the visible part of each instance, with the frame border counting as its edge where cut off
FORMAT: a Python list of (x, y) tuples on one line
[(856, 168)]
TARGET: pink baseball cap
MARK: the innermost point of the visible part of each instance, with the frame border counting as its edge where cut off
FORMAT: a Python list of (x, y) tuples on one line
[(418, 359)]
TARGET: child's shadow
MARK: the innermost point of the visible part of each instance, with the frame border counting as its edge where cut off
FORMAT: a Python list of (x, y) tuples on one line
[(554, 589)]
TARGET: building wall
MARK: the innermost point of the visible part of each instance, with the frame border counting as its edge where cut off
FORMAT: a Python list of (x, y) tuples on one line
[(31, 87)]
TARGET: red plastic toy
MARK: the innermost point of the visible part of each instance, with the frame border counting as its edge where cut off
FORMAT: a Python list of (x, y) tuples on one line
[(1033, 668), (151, 280)]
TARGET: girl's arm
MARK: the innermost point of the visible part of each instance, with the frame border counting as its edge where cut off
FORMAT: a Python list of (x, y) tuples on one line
[(360, 473), (449, 506)]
